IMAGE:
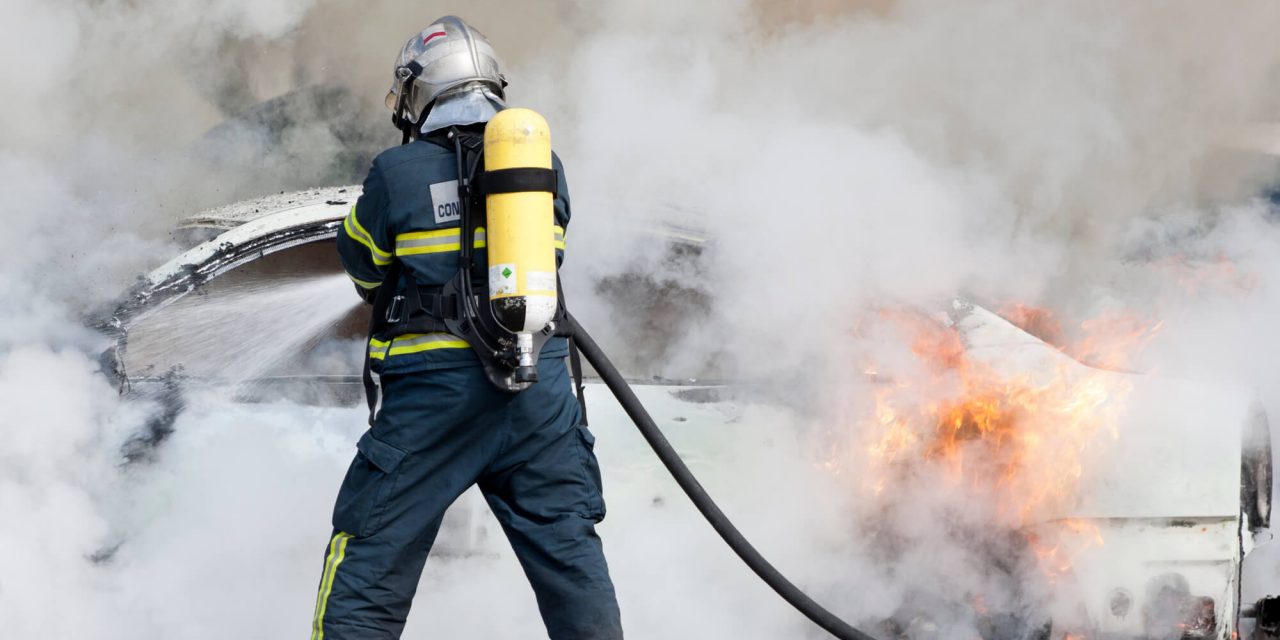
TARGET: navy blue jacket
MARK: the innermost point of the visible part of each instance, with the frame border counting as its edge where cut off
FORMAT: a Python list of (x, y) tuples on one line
[(409, 211)]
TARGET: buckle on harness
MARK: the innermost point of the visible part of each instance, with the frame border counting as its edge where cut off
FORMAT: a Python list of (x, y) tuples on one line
[(394, 309)]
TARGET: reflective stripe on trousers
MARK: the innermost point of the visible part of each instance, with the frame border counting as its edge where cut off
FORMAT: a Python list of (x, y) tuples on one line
[(337, 552)]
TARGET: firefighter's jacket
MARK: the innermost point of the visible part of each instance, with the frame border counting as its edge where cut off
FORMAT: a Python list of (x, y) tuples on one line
[(410, 212)]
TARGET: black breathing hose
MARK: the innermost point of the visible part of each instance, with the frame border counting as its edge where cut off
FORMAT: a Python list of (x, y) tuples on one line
[(685, 478)]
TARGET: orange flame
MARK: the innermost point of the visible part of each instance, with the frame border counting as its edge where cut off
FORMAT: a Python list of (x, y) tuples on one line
[(1109, 341), (1196, 276), (1056, 557), (1018, 442)]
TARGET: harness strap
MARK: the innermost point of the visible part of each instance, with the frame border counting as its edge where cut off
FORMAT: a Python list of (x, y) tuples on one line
[(516, 180), (469, 149), (377, 323), (564, 329), (575, 367), (425, 324), (419, 312), (441, 306), (370, 387)]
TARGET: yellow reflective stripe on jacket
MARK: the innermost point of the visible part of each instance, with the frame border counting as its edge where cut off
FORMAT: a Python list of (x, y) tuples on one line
[(359, 234), (365, 284), (442, 240), (337, 552), (438, 241), (414, 343)]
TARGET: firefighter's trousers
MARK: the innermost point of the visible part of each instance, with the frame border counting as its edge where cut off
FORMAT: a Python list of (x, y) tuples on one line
[(436, 434)]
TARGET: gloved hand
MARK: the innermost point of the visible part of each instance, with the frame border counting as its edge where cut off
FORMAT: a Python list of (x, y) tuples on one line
[(367, 294)]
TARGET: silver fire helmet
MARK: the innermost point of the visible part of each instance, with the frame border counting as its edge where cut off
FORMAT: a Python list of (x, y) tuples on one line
[(446, 56)]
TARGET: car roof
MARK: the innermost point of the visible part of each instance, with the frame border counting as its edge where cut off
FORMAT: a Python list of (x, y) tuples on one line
[(238, 213), (1175, 450)]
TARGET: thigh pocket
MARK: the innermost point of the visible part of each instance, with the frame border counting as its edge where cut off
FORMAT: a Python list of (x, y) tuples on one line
[(370, 483), (591, 474)]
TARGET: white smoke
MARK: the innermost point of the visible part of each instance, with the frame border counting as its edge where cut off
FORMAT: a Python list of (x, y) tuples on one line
[(839, 156)]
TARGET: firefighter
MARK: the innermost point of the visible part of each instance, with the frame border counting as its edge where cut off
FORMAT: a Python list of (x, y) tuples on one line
[(441, 425)]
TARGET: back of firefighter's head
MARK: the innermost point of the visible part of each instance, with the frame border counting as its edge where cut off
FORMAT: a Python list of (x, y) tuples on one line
[(449, 62)]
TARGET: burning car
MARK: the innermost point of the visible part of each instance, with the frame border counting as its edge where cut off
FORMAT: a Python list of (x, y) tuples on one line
[(1143, 541), (1134, 515)]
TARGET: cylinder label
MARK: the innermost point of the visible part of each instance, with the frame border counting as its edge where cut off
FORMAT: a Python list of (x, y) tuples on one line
[(502, 279), (540, 281)]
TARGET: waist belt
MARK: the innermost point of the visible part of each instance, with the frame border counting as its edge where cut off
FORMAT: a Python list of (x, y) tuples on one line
[(424, 309), (417, 310)]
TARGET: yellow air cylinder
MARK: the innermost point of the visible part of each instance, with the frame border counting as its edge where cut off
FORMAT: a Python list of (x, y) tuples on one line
[(520, 227)]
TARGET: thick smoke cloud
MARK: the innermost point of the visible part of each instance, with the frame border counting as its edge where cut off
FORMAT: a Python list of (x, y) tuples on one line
[(839, 156)]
